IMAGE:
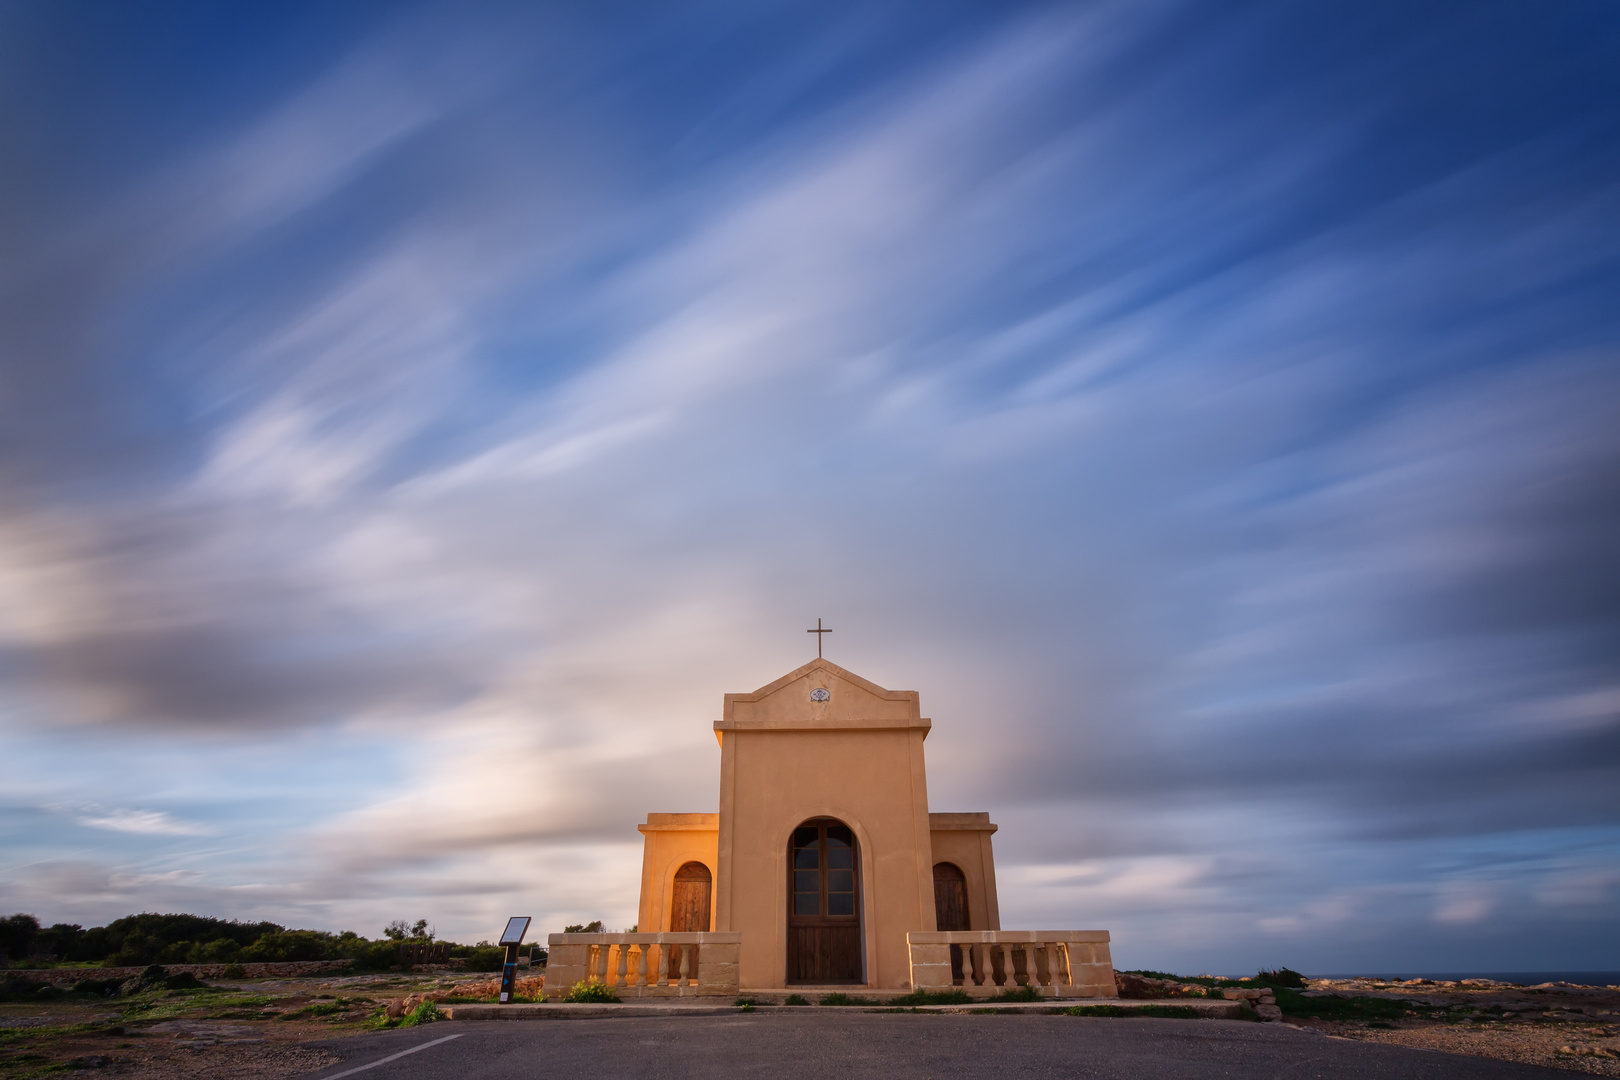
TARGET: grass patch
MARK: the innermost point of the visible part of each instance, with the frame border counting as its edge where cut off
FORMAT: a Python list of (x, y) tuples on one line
[(1174, 1012), (796, 999), (1018, 993), (1336, 1007), (933, 997), (837, 998), (745, 1006), (425, 1013)]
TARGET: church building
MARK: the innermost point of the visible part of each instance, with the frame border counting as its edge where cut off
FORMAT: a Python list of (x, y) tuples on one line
[(824, 854)]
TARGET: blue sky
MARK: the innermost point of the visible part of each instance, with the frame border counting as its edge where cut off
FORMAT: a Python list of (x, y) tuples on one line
[(414, 417)]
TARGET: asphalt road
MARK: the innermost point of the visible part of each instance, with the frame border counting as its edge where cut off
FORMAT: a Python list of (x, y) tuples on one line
[(833, 1043)]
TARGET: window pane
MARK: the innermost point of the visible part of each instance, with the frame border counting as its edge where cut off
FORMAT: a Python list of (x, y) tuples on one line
[(806, 903), (804, 836), (842, 903), (840, 881), (806, 881), (841, 857), (806, 858), (838, 836)]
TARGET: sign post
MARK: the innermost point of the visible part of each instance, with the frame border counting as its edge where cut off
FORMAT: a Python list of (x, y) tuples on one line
[(511, 937)]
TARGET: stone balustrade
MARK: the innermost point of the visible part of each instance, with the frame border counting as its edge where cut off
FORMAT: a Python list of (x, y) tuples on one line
[(1055, 963), (645, 965)]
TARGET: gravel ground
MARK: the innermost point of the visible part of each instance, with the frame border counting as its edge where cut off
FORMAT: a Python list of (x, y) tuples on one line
[(1554, 1025)]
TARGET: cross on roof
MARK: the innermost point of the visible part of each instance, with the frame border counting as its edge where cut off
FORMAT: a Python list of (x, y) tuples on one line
[(818, 631)]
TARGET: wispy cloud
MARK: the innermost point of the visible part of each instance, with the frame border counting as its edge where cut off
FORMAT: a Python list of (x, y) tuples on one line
[(1208, 415)]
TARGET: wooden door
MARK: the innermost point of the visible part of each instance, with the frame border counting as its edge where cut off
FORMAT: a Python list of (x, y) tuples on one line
[(689, 902), (824, 901), (951, 908), (688, 913)]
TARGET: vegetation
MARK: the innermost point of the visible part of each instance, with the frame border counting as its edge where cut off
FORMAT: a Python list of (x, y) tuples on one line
[(591, 991), (425, 1013), (1018, 993), (1337, 1007), (796, 999), (933, 997), (150, 938), (837, 998), (1178, 1012)]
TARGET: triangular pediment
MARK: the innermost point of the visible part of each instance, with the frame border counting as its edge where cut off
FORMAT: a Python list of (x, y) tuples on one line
[(820, 692)]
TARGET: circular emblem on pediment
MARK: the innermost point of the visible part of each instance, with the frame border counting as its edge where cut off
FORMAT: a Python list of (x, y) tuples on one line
[(819, 694)]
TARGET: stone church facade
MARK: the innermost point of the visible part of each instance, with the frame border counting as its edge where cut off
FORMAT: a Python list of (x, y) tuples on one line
[(824, 867), (824, 853)]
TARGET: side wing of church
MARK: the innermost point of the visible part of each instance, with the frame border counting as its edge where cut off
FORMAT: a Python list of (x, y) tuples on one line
[(825, 867)]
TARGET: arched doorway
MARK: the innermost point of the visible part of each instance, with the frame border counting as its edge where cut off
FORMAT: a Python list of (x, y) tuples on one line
[(824, 904), (689, 899), (689, 906), (951, 908)]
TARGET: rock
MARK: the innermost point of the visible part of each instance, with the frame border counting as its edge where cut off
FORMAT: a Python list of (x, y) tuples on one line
[(1269, 1012)]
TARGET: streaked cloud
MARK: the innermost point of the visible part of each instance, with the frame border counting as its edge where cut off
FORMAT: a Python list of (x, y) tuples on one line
[(1210, 414)]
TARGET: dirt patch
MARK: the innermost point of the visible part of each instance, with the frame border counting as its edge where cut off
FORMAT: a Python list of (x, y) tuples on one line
[(262, 1028)]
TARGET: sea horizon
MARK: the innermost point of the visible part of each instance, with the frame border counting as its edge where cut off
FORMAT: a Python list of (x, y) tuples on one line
[(1524, 978)]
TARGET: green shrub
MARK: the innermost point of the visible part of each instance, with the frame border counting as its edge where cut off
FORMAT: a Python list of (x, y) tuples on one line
[(933, 997), (1177, 1012), (235, 971), (1337, 1007), (745, 1006), (1018, 993), (1282, 977), (796, 999), (591, 991), (837, 998), (485, 958), (425, 1013)]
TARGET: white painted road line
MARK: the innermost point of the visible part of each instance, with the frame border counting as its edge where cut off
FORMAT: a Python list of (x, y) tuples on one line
[(392, 1057)]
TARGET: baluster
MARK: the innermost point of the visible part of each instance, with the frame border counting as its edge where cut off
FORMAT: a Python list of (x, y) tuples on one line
[(641, 965), (686, 963), (990, 957), (1032, 963), (601, 962), (973, 971), (624, 960), (663, 964)]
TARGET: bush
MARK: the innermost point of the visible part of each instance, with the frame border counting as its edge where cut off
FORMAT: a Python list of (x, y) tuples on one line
[(235, 971), (98, 987), (424, 1013), (589, 991), (17, 933), (1284, 977), (17, 987), (837, 998), (933, 997), (1018, 993), (284, 945), (1178, 1012), (592, 927), (485, 957), (796, 999)]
